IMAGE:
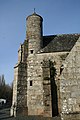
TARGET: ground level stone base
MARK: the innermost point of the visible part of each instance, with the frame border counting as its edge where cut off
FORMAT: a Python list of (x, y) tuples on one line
[(5, 115), (22, 111), (73, 116), (37, 118)]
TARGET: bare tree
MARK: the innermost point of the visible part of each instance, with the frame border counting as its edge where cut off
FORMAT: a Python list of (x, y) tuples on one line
[(5, 90)]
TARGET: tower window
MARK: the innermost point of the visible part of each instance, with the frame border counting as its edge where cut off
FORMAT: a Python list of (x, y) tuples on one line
[(31, 51), (30, 82), (61, 68)]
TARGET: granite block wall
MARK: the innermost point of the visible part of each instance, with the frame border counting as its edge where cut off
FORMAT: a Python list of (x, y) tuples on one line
[(70, 83)]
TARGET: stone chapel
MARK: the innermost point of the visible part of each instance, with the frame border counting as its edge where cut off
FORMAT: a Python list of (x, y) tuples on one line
[(47, 74)]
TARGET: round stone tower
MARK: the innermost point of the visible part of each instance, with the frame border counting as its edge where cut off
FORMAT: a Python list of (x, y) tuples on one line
[(34, 33)]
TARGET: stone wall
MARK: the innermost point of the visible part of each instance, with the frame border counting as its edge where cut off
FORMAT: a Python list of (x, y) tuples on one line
[(14, 98), (34, 86), (34, 33), (70, 83), (23, 52), (19, 103), (57, 60), (39, 99), (22, 89), (46, 88)]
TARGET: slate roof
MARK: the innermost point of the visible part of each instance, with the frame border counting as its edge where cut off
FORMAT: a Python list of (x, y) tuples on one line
[(59, 43)]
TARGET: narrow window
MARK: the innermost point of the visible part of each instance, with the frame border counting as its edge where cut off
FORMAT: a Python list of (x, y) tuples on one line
[(31, 51), (30, 82), (61, 68)]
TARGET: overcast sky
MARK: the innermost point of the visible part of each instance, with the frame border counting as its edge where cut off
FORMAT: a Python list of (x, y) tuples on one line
[(59, 17)]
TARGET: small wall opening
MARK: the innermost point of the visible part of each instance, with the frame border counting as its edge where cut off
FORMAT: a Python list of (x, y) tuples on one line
[(61, 69), (31, 83), (31, 51)]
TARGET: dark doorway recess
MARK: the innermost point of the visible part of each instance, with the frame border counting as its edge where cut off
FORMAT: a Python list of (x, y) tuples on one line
[(53, 90)]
